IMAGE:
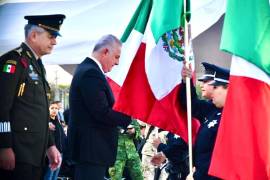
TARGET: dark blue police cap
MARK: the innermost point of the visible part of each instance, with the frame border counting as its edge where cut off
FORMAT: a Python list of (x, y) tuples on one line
[(51, 23), (222, 76), (209, 72)]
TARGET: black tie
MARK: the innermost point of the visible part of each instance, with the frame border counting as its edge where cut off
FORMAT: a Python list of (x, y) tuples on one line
[(41, 66), (43, 76)]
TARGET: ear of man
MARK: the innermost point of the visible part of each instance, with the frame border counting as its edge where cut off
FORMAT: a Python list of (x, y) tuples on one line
[(33, 36)]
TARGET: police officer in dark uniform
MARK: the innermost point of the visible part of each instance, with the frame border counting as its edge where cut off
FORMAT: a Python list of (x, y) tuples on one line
[(209, 116), (24, 115)]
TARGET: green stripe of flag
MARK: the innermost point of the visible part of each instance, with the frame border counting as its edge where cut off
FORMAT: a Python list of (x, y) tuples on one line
[(246, 31), (6, 68), (139, 19), (167, 15)]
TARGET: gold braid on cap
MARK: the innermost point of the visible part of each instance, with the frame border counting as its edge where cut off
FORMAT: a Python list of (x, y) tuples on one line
[(48, 27)]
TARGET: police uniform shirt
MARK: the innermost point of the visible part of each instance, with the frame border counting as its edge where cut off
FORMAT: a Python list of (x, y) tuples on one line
[(204, 144), (209, 116)]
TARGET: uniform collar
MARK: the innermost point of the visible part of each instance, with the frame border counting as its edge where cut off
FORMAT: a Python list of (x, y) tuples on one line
[(32, 57), (36, 56)]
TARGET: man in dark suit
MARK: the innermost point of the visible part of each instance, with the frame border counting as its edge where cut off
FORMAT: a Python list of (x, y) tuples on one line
[(93, 132), (24, 113)]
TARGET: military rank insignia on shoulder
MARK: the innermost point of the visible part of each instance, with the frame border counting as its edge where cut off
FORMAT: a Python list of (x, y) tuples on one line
[(18, 50), (10, 66)]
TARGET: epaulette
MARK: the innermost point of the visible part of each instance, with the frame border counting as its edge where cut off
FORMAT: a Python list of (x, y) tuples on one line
[(23, 60), (18, 50)]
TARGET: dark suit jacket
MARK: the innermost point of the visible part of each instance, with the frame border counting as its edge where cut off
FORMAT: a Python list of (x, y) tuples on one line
[(93, 132)]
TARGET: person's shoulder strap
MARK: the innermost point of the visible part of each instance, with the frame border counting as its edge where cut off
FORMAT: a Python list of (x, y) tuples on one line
[(149, 131)]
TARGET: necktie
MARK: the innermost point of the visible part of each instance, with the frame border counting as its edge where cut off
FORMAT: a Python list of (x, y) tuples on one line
[(41, 66)]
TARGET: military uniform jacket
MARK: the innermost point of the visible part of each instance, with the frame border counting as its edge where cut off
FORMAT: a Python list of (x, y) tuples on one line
[(93, 126), (126, 147), (24, 113), (209, 116)]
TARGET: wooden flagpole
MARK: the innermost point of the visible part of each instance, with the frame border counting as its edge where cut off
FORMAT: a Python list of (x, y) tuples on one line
[(188, 89)]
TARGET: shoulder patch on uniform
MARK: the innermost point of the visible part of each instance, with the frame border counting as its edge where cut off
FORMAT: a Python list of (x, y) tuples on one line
[(9, 68), (11, 62)]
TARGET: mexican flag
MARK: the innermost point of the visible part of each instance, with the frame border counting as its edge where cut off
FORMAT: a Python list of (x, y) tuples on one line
[(242, 149), (8, 68), (149, 73)]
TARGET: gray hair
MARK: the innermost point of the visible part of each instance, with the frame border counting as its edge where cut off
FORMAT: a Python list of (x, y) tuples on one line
[(28, 28), (107, 41)]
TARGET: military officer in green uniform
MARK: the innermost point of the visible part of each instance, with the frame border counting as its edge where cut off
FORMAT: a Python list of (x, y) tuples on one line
[(127, 155), (24, 115)]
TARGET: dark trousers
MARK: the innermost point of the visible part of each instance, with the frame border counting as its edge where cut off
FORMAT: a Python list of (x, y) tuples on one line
[(86, 171), (22, 171)]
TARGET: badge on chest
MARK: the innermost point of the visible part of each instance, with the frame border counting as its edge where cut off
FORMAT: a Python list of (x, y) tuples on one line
[(212, 124), (33, 75)]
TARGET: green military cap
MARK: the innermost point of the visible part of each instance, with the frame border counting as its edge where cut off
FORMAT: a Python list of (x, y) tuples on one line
[(51, 23)]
